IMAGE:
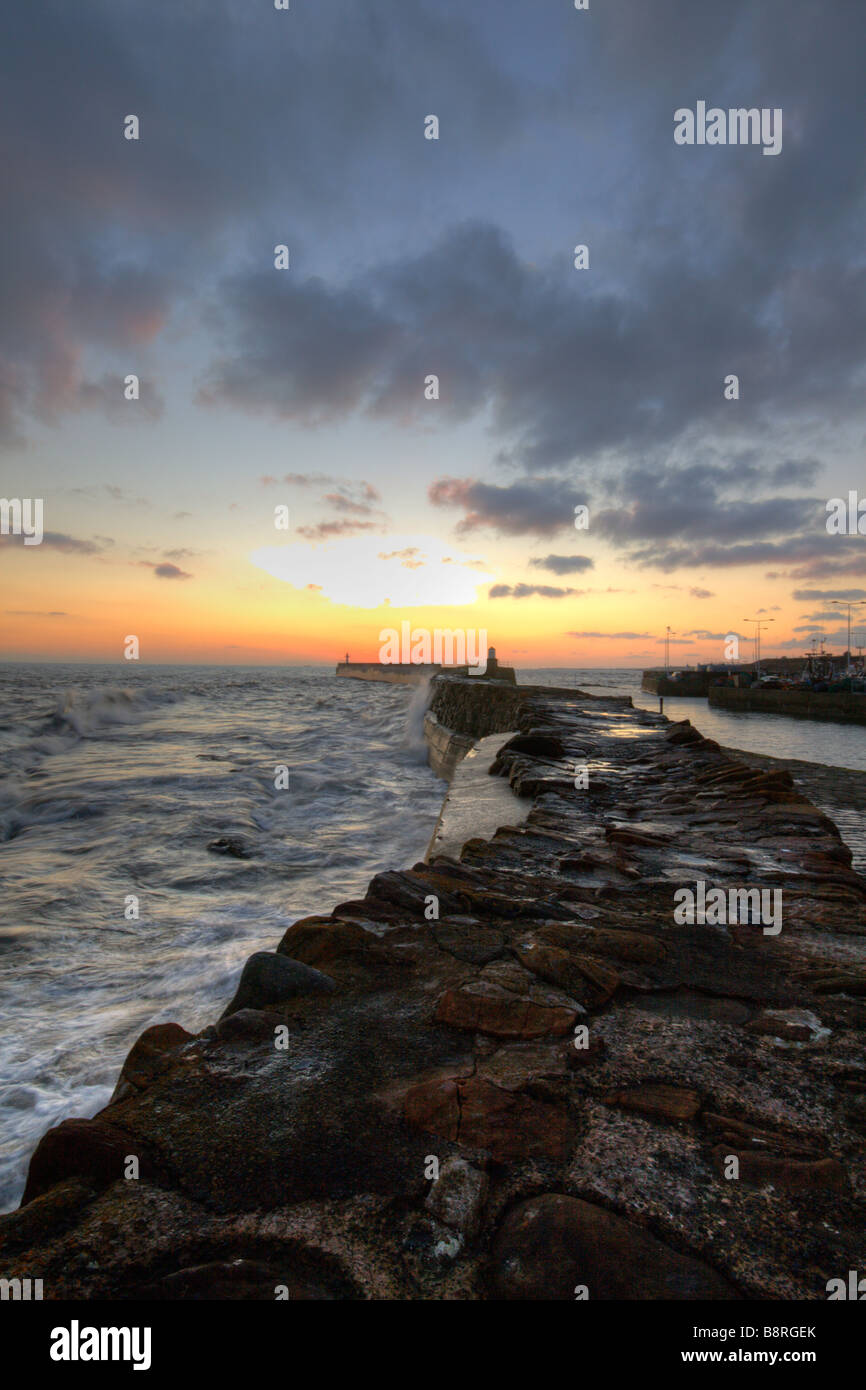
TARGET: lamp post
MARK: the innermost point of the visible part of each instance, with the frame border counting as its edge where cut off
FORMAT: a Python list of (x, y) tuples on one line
[(843, 603), (759, 623)]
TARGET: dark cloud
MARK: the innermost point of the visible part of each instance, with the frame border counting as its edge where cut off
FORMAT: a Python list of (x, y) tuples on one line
[(353, 498), (538, 506), (56, 540), (530, 591), (703, 262), (563, 564), (709, 554), (846, 595), (102, 237), (567, 371), (691, 504), (682, 519), (166, 571)]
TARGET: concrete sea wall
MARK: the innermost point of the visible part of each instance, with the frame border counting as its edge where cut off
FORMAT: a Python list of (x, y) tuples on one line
[(843, 707)]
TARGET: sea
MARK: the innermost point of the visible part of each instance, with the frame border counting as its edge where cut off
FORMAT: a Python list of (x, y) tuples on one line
[(158, 828)]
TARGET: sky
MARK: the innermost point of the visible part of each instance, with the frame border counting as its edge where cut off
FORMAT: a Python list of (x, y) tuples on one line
[(306, 388)]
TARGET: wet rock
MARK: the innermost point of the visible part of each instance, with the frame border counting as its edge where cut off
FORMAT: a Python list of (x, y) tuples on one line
[(94, 1150), (636, 835), (321, 940), (458, 1195), (535, 745), (762, 1138), (658, 1101), (794, 1175), (271, 979), (510, 1125), (514, 1066), (553, 1244), (254, 1025), (434, 1107), (477, 1113), (634, 947), (788, 1025), (45, 1215), (152, 1054), (684, 1004), (588, 981), (409, 891), (428, 1245), (242, 1279), (485, 1009), (230, 845), (469, 940), (576, 1058), (683, 733), (843, 981)]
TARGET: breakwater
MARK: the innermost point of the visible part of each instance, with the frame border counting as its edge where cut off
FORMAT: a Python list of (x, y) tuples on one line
[(511, 1070), (416, 673), (695, 683), (405, 673), (844, 707)]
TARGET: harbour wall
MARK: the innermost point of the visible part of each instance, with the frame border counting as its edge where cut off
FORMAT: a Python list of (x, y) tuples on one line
[(395, 674), (464, 709), (844, 707), (657, 683)]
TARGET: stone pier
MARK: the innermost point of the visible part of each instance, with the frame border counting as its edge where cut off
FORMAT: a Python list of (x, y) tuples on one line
[(510, 1071)]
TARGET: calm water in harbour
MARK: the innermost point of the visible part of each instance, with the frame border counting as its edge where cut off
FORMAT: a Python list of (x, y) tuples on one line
[(839, 745), (114, 783)]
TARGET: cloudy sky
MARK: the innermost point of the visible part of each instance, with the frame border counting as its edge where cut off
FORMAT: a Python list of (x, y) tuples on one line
[(409, 257)]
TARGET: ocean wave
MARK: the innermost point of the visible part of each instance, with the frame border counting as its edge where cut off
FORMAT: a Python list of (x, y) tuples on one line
[(104, 797), (88, 712)]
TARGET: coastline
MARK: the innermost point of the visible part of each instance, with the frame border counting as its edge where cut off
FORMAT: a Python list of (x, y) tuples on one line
[(459, 1037)]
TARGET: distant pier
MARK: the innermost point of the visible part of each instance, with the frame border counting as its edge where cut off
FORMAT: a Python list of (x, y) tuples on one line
[(415, 673), (404, 673), (690, 683)]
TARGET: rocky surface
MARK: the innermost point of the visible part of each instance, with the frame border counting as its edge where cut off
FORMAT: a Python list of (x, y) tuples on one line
[(510, 1075)]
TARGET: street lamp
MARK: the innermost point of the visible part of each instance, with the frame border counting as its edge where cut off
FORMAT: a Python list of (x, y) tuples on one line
[(759, 623), (668, 632), (843, 603)]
